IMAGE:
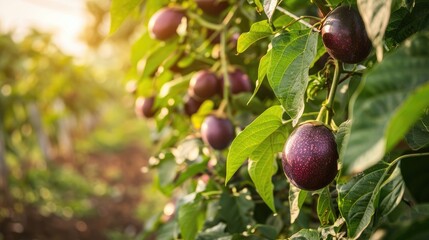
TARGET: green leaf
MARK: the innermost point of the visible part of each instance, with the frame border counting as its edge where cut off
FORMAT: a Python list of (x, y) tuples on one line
[(359, 198), (262, 165), (174, 87), (375, 15), (247, 141), (214, 233), (343, 131), (286, 20), (418, 136), (204, 110), (306, 234), (404, 23), (119, 11), (391, 193), (259, 6), (264, 64), (270, 7), (236, 210), (166, 173), (188, 214), (155, 58), (142, 46), (296, 199), (392, 96), (167, 231), (291, 56), (258, 31), (266, 231), (325, 209)]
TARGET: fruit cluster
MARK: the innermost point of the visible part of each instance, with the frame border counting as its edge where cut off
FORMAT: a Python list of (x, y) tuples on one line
[(310, 154), (217, 130)]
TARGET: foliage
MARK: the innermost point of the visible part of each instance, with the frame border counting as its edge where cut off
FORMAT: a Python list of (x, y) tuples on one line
[(380, 106), (54, 109)]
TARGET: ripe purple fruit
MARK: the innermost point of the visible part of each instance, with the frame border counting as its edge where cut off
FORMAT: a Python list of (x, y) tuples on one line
[(144, 107), (239, 82), (217, 132), (163, 24), (212, 7), (203, 85), (344, 35), (191, 105), (310, 155)]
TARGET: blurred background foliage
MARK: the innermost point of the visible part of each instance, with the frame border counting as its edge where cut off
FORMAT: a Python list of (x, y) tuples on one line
[(71, 148)]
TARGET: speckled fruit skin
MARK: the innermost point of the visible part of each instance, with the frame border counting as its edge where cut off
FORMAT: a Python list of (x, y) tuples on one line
[(163, 24), (144, 107), (310, 156), (217, 132), (203, 85), (212, 7), (344, 35)]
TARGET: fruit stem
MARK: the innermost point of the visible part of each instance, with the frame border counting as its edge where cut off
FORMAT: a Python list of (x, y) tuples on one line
[(224, 68), (204, 22), (224, 59), (333, 90), (297, 18), (327, 106), (323, 6)]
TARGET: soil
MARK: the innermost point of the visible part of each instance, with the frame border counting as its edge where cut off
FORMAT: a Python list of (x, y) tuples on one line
[(116, 214)]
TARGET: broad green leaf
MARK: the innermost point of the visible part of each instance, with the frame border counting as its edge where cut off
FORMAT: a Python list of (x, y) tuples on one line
[(264, 63), (359, 198), (291, 57), (258, 31), (247, 141), (204, 110), (335, 230), (266, 231), (155, 58), (188, 215), (286, 20), (418, 136), (392, 96), (306, 234), (391, 193), (325, 209), (119, 11), (296, 199), (214, 233), (262, 165), (189, 172), (407, 114), (375, 15), (167, 231), (270, 7), (167, 169), (343, 131), (258, 4), (175, 86), (404, 23), (142, 46), (236, 210)]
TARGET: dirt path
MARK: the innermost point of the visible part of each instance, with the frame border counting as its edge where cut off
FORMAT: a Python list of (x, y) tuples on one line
[(121, 171)]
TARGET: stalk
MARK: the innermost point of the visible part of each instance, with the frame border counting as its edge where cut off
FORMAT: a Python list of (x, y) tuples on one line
[(327, 106)]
